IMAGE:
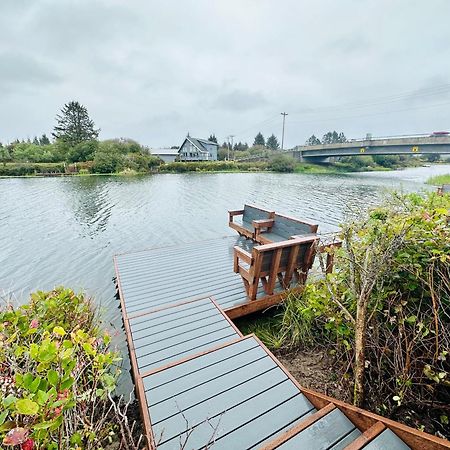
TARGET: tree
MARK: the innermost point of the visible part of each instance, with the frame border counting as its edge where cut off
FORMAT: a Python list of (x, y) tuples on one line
[(74, 125), (212, 138), (4, 154), (272, 142), (44, 140), (313, 140), (259, 140), (332, 137), (36, 140)]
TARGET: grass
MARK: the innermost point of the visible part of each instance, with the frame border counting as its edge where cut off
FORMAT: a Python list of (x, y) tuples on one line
[(439, 180)]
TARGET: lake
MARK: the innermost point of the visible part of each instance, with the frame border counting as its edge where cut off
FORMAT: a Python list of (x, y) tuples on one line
[(65, 230)]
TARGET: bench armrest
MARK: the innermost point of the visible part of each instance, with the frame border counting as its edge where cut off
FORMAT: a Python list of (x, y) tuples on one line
[(262, 223), (240, 254), (237, 212)]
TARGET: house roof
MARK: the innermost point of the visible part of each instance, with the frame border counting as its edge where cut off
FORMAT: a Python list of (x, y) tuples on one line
[(200, 143)]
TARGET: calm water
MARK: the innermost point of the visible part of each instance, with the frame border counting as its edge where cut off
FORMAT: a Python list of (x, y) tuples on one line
[(65, 230)]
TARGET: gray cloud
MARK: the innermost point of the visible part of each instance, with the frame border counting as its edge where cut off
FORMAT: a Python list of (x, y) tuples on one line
[(154, 70), (24, 71), (239, 100)]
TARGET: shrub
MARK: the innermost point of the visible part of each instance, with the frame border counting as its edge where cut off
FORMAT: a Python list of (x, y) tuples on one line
[(56, 372), (107, 161), (17, 170), (397, 258), (282, 163)]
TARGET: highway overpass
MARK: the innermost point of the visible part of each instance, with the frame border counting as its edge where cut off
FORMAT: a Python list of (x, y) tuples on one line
[(413, 145)]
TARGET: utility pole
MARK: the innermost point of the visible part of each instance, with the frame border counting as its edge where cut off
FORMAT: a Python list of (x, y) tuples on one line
[(284, 114), (231, 136)]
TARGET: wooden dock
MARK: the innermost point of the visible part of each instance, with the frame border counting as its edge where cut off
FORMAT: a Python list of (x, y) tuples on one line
[(201, 384), (166, 276)]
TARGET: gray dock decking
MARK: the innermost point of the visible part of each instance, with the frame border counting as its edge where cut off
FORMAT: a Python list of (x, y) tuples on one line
[(199, 382)]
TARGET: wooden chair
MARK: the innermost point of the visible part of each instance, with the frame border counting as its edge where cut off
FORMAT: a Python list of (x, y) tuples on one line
[(249, 214), (277, 261), (281, 227)]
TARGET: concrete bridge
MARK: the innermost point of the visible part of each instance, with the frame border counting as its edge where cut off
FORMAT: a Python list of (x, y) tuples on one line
[(405, 145)]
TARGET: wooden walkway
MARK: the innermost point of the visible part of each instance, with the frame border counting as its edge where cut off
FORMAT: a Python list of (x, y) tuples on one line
[(201, 384)]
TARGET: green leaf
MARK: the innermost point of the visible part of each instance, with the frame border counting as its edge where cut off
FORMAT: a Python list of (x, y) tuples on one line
[(28, 379), (44, 425), (42, 397), (67, 383), (53, 377), (27, 407), (35, 384), (8, 400), (3, 416), (59, 330)]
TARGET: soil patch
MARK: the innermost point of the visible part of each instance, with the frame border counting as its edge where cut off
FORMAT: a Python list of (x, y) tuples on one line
[(316, 370)]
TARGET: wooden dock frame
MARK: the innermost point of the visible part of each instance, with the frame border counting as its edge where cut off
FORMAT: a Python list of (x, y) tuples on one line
[(370, 424)]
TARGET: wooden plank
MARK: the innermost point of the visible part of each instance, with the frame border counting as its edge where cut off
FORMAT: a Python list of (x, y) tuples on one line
[(209, 399), (388, 440), (165, 384), (289, 434), (367, 436), (322, 434), (148, 362), (263, 415)]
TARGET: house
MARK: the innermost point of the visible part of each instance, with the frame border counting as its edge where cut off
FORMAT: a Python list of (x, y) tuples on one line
[(168, 155), (195, 149)]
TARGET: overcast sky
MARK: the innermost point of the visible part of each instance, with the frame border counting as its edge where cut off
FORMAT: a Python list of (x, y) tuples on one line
[(155, 70)]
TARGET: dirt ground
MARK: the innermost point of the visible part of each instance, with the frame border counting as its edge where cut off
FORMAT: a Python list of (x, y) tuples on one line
[(315, 370)]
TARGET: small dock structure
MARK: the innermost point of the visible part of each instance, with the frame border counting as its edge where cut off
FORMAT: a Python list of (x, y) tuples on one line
[(201, 384)]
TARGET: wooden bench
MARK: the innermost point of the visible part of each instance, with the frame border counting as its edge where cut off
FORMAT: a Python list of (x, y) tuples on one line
[(277, 261), (444, 189), (249, 214), (281, 227)]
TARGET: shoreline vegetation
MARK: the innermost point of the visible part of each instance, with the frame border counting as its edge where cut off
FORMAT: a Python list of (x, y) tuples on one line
[(439, 180), (150, 165)]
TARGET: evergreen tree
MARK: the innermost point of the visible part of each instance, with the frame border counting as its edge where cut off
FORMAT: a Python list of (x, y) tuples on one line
[(333, 138), (259, 140), (44, 140), (212, 138), (313, 140), (74, 125), (272, 142), (36, 140)]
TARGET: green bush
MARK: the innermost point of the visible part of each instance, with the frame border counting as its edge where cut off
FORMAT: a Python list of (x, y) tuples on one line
[(56, 372), (16, 170), (398, 255), (213, 166), (107, 161), (282, 163)]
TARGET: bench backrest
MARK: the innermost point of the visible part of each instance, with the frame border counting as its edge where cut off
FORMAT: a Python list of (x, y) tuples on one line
[(286, 227), (295, 254), (252, 213)]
